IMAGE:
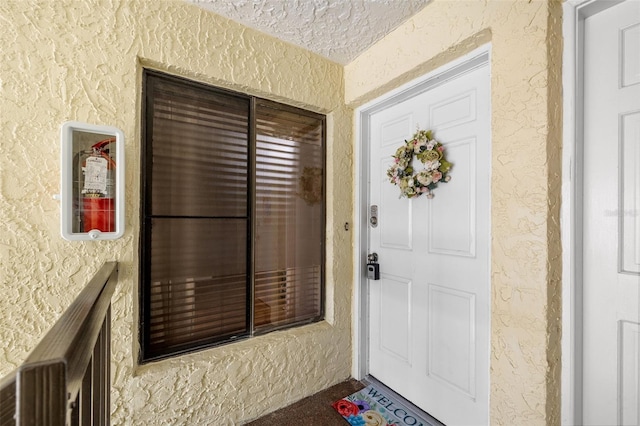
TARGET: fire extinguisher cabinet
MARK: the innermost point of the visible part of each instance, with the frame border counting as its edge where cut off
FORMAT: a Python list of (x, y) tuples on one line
[(92, 182)]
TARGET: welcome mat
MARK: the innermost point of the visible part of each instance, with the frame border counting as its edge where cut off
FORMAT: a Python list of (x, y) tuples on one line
[(373, 407)]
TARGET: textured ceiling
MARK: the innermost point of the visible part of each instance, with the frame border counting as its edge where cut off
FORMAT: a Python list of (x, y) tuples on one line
[(336, 29)]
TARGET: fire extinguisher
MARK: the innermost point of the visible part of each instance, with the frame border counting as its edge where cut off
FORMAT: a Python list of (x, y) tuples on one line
[(98, 188)]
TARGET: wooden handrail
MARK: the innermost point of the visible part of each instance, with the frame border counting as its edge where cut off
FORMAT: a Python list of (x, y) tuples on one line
[(66, 378), (8, 399)]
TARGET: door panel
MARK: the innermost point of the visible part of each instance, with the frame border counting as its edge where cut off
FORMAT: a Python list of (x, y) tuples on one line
[(629, 373), (630, 191), (451, 338), (611, 213), (395, 320), (430, 310), (454, 111), (630, 48), (452, 224)]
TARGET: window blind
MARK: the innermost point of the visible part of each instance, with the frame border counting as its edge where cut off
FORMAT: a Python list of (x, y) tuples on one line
[(196, 216), (289, 249)]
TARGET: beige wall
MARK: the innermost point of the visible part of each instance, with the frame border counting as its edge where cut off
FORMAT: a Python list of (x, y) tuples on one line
[(82, 60), (526, 47)]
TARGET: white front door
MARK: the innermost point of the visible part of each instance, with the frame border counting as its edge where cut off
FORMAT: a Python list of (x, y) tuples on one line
[(611, 217), (429, 313)]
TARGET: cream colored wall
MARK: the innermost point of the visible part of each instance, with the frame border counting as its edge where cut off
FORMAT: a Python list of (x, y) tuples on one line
[(82, 60), (526, 45)]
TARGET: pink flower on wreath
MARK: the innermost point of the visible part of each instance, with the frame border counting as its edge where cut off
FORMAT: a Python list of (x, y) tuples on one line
[(437, 175)]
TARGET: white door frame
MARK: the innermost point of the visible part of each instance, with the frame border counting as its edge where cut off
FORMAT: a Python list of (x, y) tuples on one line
[(360, 325), (574, 14)]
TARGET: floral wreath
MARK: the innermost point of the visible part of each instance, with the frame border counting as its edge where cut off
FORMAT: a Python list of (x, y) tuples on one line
[(430, 152)]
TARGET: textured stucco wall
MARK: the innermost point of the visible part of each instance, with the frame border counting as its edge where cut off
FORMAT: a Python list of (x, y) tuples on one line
[(526, 42), (82, 60)]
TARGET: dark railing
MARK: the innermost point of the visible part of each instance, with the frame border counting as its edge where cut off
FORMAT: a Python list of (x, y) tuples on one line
[(66, 380)]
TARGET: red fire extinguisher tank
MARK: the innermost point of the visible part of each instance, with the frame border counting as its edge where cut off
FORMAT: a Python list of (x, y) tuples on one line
[(98, 188)]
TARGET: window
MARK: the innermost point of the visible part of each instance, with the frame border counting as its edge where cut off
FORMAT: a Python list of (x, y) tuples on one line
[(232, 216)]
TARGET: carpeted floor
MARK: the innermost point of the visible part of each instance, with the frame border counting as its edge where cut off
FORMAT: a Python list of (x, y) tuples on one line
[(315, 410)]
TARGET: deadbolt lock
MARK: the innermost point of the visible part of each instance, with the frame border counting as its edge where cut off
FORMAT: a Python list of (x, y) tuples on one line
[(373, 216)]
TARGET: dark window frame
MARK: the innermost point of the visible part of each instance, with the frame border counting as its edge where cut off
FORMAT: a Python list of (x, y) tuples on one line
[(145, 355)]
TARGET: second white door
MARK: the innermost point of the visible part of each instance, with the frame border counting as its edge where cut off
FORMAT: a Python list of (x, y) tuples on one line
[(611, 217)]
